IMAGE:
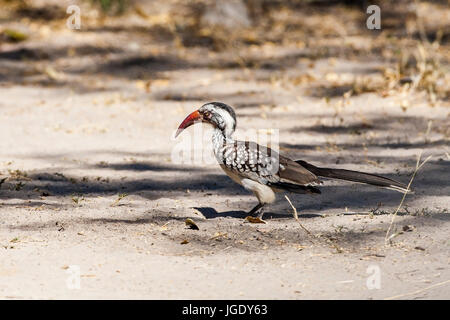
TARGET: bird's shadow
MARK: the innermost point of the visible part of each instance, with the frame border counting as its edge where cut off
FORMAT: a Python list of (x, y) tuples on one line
[(211, 213)]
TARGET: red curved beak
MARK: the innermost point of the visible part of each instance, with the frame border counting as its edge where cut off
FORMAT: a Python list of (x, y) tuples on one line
[(189, 121)]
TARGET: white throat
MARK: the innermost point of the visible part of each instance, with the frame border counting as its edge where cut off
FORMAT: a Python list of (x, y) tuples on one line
[(219, 140), (227, 123)]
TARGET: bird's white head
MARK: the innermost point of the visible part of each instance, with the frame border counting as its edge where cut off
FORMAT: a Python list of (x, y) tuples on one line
[(219, 115)]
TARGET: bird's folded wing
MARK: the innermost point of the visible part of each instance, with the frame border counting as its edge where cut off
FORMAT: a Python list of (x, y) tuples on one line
[(262, 164), (292, 172)]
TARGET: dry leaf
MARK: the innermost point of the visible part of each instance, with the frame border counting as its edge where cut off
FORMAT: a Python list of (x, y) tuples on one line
[(254, 219), (219, 234), (191, 224), (164, 227)]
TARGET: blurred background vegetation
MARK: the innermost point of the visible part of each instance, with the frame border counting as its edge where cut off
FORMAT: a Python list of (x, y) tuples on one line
[(413, 40)]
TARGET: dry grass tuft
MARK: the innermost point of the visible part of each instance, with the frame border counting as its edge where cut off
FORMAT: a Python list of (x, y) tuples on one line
[(419, 165)]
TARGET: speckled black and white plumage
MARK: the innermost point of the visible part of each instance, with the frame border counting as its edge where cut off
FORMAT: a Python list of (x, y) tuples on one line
[(249, 159), (264, 171), (258, 168), (262, 164)]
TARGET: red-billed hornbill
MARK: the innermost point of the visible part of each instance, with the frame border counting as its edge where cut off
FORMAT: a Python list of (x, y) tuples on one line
[(262, 170)]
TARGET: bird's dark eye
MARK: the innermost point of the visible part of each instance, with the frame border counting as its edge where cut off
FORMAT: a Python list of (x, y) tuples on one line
[(207, 114)]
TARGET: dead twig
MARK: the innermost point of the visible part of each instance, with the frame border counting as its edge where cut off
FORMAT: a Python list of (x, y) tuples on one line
[(388, 237), (333, 245), (296, 217), (120, 197), (418, 291)]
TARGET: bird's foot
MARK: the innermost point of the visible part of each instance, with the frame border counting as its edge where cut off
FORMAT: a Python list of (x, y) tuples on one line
[(255, 215), (254, 219)]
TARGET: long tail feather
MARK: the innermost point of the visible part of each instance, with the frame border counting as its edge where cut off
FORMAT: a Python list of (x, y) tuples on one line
[(355, 176)]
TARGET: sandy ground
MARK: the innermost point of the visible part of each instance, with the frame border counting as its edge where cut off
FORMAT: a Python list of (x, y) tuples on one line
[(86, 149)]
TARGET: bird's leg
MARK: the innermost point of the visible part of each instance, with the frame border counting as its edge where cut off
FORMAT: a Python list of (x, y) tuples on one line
[(257, 212), (260, 213), (255, 209)]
